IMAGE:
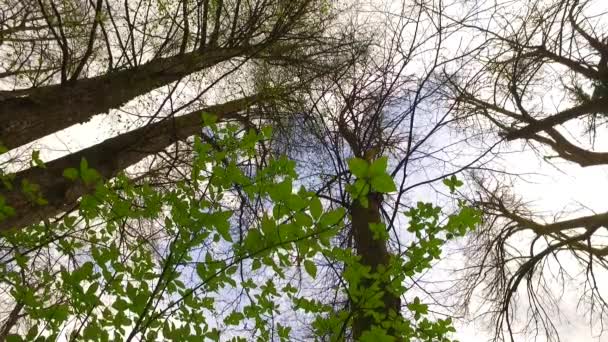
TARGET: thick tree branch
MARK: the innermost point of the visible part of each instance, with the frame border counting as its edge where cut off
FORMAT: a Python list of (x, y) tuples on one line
[(109, 158)]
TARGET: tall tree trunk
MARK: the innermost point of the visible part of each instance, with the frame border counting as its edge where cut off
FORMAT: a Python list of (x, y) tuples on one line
[(373, 253), (28, 115), (108, 158)]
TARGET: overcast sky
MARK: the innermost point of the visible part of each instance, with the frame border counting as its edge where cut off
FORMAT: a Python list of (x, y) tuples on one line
[(555, 187)]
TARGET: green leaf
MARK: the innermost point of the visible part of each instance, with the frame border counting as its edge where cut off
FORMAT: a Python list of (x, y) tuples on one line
[(383, 183), (359, 189), (378, 231), (302, 220), (253, 241), (201, 270), (376, 334), (208, 118), (316, 208), (60, 313), (358, 167), (90, 176), (281, 192), (220, 221), (378, 167), (453, 183), (364, 201), (84, 165), (234, 318), (283, 332), (13, 338), (331, 217), (36, 161), (92, 289), (296, 203), (151, 335), (310, 268), (33, 332), (418, 308), (267, 132), (92, 332)]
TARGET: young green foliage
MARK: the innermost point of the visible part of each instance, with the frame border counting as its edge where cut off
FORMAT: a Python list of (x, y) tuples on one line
[(143, 262)]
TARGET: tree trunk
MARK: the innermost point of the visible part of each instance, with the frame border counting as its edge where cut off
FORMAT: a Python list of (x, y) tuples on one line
[(28, 115), (373, 253), (108, 158), (11, 320)]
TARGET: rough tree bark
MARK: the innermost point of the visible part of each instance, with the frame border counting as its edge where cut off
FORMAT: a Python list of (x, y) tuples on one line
[(28, 115), (108, 158), (373, 253)]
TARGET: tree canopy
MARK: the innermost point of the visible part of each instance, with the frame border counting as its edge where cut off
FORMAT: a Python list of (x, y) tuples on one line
[(293, 170)]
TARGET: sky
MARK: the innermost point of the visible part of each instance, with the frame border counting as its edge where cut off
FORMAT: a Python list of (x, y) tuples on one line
[(552, 188)]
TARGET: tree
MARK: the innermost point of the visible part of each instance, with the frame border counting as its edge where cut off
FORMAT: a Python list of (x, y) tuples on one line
[(161, 253), (114, 285), (69, 61), (375, 112), (52, 190), (45, 107), (555, 47)]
